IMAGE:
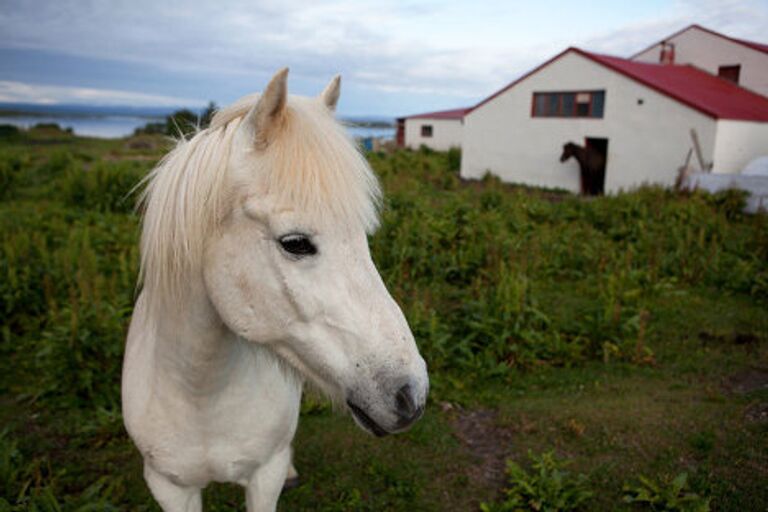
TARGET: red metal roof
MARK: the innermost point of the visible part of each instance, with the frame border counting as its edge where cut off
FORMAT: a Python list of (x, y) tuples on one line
[(698, 89), (456, 113), (761, 47), (691, 86)]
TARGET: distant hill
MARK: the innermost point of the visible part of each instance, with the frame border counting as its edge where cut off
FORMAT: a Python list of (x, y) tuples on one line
[(369, 121), (32, 109), (64, 110)]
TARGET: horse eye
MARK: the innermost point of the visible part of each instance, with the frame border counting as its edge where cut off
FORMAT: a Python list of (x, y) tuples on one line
[(298, 245)]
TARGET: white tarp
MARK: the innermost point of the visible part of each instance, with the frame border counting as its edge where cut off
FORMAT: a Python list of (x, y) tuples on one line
[(757, 167), (756, 185)]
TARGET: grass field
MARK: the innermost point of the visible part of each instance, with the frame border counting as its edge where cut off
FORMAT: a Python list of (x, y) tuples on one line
[(626, 335)]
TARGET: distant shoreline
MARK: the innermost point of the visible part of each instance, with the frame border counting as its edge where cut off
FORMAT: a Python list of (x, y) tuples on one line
[(150, 113), (83, 115), (111, 125), (368, 124)]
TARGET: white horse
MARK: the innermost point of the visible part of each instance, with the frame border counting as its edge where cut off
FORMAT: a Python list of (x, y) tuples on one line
[(257, 275)]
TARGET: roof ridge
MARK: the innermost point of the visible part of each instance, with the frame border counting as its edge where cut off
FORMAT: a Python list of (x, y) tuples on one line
[(446, 113), (754, 45)]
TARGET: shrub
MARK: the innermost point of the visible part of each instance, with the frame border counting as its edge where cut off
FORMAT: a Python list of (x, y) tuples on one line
[(106, 187), (548, 487), (12, 164), (731, 202), (32, 485), (454, 159), (671, 496), (9, 132)]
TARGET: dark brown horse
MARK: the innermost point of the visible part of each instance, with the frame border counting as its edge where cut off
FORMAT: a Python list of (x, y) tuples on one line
[(592, 163)]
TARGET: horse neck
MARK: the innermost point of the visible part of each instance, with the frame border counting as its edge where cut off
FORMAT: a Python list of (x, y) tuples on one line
[(580, 154), (191, 341)]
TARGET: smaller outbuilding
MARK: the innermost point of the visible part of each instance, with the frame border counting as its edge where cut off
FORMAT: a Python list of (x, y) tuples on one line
[(437, 130)]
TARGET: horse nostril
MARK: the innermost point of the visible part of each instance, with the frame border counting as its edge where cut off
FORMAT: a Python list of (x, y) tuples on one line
[(406, 406)]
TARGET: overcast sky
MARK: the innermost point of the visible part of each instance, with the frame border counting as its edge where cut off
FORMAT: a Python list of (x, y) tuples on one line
[(395, 57)]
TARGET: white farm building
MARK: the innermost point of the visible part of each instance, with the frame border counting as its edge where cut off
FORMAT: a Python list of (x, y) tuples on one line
[(742, 62), (642, 117), (437, 130)]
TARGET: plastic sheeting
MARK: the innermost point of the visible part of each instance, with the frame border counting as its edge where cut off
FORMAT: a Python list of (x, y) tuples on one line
[(756, 185)]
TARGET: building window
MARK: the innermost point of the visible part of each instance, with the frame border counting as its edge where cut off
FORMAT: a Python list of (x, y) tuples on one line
[(426, 130), (730, 73), (569, 104)]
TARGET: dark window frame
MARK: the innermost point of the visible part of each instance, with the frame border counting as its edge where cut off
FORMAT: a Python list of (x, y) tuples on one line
[(559, 113), (727, 71), (427, 130)]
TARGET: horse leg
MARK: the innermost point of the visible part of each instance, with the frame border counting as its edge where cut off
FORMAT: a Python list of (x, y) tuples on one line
[(266, 483), (172, 497), (291, 478)]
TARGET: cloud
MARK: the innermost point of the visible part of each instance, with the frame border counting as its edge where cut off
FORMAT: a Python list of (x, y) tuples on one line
[(422, 49), (744, 19), (18, 92)]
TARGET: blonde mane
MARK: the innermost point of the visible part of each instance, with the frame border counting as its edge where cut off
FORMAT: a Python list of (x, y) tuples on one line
[(311, 166)]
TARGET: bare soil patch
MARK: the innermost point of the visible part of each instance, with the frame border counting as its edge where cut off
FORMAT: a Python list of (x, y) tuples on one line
[(745, 339), (757, 413), (747, 381), (487, 441)]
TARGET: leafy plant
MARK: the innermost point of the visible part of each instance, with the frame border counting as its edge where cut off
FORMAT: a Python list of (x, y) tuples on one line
[(454, 159), (673, 496), (31, 486), (106, 187), (547, 487), (11, 167)]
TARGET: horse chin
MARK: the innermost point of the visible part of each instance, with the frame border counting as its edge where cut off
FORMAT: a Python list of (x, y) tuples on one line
[(365, 422)]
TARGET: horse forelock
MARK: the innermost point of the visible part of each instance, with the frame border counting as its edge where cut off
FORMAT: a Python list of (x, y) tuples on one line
[(314, 168), (311, 166)]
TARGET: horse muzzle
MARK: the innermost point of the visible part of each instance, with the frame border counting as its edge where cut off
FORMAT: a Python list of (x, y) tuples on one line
[(401, 410)]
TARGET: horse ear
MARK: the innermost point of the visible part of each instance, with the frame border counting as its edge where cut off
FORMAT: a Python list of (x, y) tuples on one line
[(330, 94), (264, 118)]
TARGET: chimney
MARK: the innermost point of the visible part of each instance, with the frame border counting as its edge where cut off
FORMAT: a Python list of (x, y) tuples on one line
[(667, 53)]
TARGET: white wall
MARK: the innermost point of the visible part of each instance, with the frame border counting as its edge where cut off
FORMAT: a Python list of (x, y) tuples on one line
[(709, 52), (738, 143), (446, 133), (646, 143)]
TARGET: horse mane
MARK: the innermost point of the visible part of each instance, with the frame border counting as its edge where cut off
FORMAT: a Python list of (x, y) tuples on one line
[(312, 166)]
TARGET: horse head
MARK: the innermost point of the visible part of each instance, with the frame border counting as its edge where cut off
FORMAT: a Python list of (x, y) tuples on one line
[(569, 150), (288, 264)]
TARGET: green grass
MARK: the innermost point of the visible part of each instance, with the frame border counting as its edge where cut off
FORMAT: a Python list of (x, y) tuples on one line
[(608, 331)]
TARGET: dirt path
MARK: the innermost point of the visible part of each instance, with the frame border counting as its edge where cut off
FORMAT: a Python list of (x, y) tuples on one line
[(488, 442)]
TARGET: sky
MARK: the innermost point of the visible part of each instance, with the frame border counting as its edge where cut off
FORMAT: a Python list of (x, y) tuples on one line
[(395, 57)]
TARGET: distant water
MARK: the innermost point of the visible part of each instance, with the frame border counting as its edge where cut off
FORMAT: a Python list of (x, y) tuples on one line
[(383, 133), (105, 127), (114, 127)]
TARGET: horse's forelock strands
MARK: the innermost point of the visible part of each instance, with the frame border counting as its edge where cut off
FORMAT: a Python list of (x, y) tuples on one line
[(316, 167), (182, 205)]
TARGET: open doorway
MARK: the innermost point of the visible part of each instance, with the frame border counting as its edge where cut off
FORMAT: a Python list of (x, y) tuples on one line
[(400, 133), (594, 182)]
